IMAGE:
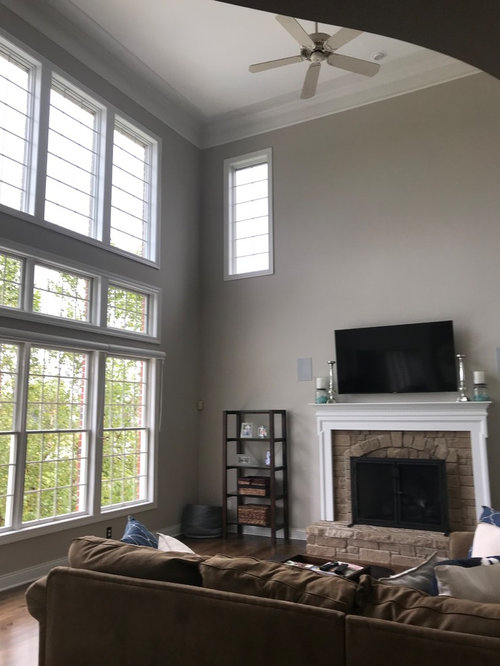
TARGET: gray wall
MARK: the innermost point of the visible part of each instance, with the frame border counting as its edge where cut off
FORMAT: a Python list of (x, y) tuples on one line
[(384, 214), (178, 277)]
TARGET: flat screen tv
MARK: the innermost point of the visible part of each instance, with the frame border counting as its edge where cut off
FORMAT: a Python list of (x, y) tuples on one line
[(406, 358)]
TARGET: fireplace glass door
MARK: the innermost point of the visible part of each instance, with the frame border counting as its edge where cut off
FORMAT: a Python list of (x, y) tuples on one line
[(399, 493)]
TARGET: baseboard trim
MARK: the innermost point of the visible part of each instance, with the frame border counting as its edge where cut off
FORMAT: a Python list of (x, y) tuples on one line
[(28, 575)]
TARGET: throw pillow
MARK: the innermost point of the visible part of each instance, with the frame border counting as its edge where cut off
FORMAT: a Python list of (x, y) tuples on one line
[(407, 606), (420, 577), (124, 559), (138, 534), (480, 583), (486, 541), (273, 580), (489, 515), (168, 543)]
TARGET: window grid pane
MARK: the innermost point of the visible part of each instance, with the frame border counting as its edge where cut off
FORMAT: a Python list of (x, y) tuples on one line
[(249, 217), (16, 82), (9, 357), (56, 467), (127, 310), (11, 273), (131, 192), (125, 460), (70, 198), (61, 294)]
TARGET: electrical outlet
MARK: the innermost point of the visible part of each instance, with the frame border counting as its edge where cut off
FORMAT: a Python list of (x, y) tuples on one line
[(109, 532)]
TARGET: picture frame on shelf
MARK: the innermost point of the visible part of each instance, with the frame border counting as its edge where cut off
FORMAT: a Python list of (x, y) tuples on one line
[(246, 429)]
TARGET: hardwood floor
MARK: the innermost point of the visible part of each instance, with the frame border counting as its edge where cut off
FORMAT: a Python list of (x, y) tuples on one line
[(19, 631)]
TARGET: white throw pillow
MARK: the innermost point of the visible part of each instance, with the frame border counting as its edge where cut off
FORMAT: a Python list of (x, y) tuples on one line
[(168, 543), (475, 583), (486, 541)]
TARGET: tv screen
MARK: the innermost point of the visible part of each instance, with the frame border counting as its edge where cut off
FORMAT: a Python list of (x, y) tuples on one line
[(407, 358)]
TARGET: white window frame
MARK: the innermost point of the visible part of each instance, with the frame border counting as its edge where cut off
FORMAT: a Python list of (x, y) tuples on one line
[(230, 166), (97, 353), (98, 296), (44, 74)]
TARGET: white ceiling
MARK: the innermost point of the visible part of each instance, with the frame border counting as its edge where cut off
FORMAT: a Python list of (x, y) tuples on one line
[(194, 55)]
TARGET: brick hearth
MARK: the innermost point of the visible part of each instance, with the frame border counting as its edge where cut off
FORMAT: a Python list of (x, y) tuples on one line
[(394, 547)]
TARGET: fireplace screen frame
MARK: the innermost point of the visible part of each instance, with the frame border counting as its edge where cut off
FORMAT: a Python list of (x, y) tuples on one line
[(441, 524)]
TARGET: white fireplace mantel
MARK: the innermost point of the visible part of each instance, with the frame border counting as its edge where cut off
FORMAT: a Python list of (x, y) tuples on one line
[(429, 416)]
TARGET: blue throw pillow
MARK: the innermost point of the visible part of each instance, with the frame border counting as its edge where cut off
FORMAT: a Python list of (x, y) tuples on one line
[(137, 534), (489, 515)]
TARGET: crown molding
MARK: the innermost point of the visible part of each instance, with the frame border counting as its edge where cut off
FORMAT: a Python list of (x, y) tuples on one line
[(407, 75)]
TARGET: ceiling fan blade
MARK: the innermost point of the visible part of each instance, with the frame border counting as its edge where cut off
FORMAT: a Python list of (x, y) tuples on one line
[(271, 64), (294, 28), (355, 65), (311, 81), (341, 37)]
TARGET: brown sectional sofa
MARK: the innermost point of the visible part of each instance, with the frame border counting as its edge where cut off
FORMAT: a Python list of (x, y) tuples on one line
[(123, 605)]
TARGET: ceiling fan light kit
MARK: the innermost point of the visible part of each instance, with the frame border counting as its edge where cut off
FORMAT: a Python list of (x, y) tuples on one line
[(316, 48)]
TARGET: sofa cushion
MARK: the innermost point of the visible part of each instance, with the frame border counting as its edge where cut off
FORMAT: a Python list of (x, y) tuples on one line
[(123, 559), (480, 583), (247, 575), (407, 606), (420, 577)]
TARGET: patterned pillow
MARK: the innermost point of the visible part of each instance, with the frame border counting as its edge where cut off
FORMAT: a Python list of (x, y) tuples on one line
[(489, 515), (137, 534)]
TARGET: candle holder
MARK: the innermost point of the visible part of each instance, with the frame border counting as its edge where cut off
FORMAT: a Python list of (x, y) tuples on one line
[(331, 387), (462, 397)]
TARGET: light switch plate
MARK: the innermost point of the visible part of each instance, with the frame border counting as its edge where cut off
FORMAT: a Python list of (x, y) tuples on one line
[(304, 369)]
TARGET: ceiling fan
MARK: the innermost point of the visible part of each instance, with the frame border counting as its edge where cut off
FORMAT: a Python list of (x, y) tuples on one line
[(318, 47)]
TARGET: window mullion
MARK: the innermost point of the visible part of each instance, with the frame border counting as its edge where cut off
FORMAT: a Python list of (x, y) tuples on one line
[(105, 178), (21, 441), (41, 140), (95, 422)]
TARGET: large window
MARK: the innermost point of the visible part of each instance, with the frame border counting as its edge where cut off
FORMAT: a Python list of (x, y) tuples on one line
[(84, 167), (54, 440), (248, 215)]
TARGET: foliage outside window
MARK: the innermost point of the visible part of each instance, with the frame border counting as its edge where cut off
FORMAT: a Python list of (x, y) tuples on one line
[(101, 189), (127, 310), (125, 438), (248, 210), (11, 274), (54, 434), (61, 293)]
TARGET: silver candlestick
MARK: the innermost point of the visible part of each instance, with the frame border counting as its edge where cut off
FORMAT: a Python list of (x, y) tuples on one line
[(331, 387), (462, 397)]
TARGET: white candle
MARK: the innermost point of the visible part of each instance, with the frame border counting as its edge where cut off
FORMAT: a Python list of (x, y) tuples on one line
[(322, 382), (478, 377)]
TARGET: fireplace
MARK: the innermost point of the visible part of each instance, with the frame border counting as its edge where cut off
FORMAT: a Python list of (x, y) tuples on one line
[(393, 492)]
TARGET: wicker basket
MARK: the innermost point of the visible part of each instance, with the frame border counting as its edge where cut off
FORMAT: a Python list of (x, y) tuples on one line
[(254, 514), (254, 485)]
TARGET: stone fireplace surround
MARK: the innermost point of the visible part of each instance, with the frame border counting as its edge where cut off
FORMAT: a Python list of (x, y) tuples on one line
[(451, 431)]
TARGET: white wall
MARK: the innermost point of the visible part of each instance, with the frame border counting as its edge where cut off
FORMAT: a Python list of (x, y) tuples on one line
[(384, 214)]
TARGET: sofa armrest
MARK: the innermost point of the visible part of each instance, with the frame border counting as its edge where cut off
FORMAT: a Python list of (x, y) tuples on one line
[(36, 598), (459, 545)]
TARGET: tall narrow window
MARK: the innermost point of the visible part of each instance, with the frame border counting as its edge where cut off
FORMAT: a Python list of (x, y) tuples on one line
[(56, 467), (131, 198), (11, 275), (16, 109), (248, 192), (125, 460), (61, 294), (8, 437), (72, 159)]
